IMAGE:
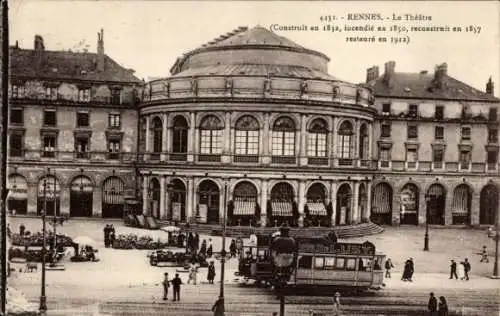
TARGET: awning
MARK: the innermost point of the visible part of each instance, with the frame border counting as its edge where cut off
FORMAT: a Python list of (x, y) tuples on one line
[(460, 201), (244, 207), (282, 208), (381, 200), (316, 208)]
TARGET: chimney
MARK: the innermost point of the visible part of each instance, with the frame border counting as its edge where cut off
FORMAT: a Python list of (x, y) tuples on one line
[(372, 73), (489, 87), (39, 43), (100, 51), (440, 74), (390, 68)]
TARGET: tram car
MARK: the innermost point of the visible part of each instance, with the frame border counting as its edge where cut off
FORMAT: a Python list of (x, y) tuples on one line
[(318, 262)]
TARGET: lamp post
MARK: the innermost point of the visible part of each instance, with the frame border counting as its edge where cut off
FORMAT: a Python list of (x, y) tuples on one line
[(43, 299), (221, 307), (428, 200), (495, 265)]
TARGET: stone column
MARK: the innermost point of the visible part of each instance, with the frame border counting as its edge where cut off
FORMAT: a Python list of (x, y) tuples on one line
[(329, 140), (422, 208), (145, 198), (266, 140), (223, 201), (356, 143), (355, 216), (303, 141), (64, 197), (448, 204), (190, 199), (165, 140), (474, 209), (333, 199), (370, 139), (302, 200), (162, 196), (368, 209), (191, 137), (33, 198), (333, 148), (263, 202), (147, 139), (297, 143), (396, 206), (166, 198), (226, 149)]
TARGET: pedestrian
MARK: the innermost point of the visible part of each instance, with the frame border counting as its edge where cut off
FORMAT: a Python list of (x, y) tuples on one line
[(196, 241), (176, 284), (388, 267), (443, 306), (166, 285), (432, 305), (211, 272), (203, 248), (106, 236), (453, 270), (336, 304), (9, 233), (232, 248), (406, 271), (22, 229), (190, 241), (112, 236), (461, 271), (210, 248), (193, 273), (411, 269), (239, 245), (467, 269), (484, 255)]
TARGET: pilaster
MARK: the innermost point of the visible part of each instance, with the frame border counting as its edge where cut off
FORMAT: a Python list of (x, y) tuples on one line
[(475, 202), (422, 208), (147, 139), (263, 202), (190, 199), (226, 149), (191, 137), (145, 200), (448, 213), (301, 200), (162, 197), (355, 214), (333, 200), (303, 141), (164, 138), (368, 208), (266, 141), (396, 207)]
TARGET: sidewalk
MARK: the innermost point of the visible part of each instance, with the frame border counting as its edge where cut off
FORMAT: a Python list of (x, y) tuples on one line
[(440, 281)]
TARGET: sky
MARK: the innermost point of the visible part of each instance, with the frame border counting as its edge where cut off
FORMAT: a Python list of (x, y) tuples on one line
[(148, 36)]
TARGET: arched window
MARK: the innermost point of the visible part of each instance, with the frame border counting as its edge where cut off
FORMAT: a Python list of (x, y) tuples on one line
[(211, 129), (157, 127), (246, 141), (317, 137), (363, 142), (283, 138), (345, 140), (179, 138)]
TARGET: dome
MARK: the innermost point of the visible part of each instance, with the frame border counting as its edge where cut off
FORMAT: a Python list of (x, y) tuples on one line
[(256, 51)]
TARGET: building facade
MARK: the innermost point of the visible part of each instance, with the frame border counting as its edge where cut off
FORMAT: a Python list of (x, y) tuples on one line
[(436, 144), (72, 132)]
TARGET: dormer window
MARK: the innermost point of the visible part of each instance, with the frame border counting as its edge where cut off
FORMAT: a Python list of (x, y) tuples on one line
[(493, 114), (439, 114), (465, 133), (116, 95), (51, 93), (84, 95), (413, 110), (386, 108), (17, 91)]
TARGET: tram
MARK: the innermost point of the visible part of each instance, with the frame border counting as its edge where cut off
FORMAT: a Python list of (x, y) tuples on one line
[(318, 262)]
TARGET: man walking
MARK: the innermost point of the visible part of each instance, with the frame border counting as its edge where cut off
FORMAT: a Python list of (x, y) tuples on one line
[(467, 268), (453, 270), (432, 305), (176, 284), (484, 255), (166, 285)]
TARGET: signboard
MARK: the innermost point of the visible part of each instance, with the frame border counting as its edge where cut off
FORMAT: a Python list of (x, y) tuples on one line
[(176, 211), (202, 213), (366, 248)]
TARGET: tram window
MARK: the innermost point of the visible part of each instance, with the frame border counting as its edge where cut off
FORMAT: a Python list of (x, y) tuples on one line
[(340, 263), (319, 262), (305, 262), (350, 264), (329, 263)]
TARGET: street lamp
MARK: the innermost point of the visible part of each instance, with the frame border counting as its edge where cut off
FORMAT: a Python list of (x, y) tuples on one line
[(495, 265), (219, 305), (428, 200), (43, 299)]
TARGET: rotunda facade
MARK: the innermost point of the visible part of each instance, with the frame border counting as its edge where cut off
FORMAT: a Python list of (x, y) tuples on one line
[(251, 127)]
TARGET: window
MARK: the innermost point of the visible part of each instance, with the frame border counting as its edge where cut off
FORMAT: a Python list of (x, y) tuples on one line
[(211, 129), (340, 263), (350, 264), (84, 95), (492, 135), (319, 262), (16, 145), (385, 129), (49, 146), (82, 119), (283, 137), (411, 157), (363, 142), (464, 159), (51, 93), (492, 159), (439, 114), (465, 133), (246, 140), (82, 147), (386, 108), (179, 141), (305, 262), (17, 91), (114, 148), (16, 116), (49, 118), (116, 96), (493, 114), (438, 158), (317, 135), (439, 132), (114, 120), (413, 110), (329, 262), (345, 140), (412, 131), (384, 157)]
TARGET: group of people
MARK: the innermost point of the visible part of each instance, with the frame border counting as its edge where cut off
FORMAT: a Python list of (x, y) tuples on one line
[(235, 247), (408, 270), (460, 270), (109, 235), (176, 285), (435, 308)]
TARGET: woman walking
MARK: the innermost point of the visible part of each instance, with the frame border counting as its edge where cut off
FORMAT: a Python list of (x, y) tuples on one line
[(443, 307)]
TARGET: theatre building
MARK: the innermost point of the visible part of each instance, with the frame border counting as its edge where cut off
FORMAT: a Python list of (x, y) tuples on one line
[(436, 145), (254, 122), (72, 132)]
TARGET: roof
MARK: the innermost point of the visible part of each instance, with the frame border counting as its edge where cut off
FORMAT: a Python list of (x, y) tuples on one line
[(66, 65), (256, 70), (422, 86)]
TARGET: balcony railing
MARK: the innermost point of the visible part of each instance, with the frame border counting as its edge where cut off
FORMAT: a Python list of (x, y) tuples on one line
[(492, 166), (320, 161), (437, 165), (345, 162), (178, 156), (82, 155), (246, 159), (209, 158), (284, 159)]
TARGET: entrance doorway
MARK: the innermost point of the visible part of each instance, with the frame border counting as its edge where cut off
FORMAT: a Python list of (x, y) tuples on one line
[(436, 204), (209, 197), (81, 193)]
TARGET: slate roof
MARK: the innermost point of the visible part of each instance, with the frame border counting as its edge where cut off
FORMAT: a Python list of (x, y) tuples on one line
[(66, 65), (422, 86)]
